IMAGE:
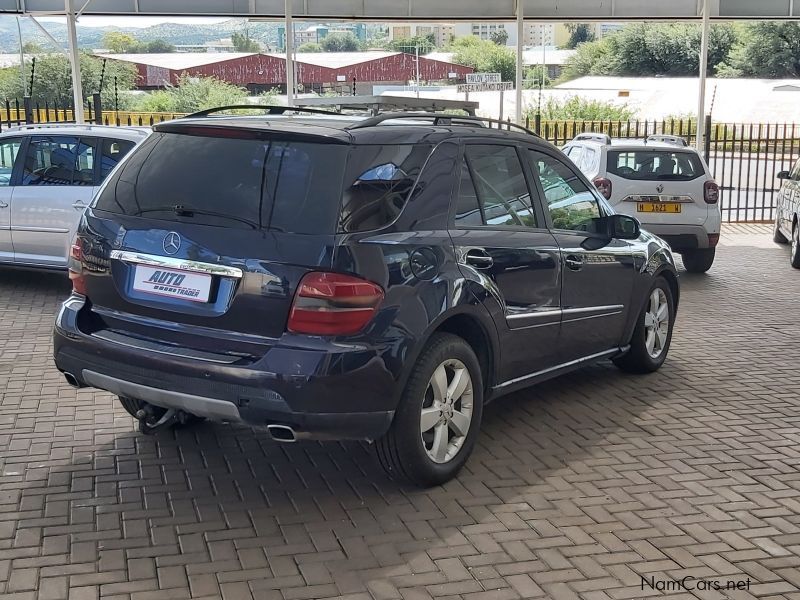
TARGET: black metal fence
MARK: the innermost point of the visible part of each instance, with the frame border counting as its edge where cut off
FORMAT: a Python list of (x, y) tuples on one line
[(28, 111), (744, 158)]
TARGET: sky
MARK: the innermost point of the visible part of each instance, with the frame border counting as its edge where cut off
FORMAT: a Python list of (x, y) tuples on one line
[(87, 21)]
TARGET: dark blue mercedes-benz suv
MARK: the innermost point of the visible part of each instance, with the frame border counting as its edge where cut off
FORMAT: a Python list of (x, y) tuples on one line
[(375, 278)]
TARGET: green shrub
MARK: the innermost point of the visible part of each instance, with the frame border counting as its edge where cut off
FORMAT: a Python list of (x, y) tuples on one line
[(577, 108)]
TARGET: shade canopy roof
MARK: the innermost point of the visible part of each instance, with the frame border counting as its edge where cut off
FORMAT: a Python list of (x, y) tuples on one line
[(440, 10)]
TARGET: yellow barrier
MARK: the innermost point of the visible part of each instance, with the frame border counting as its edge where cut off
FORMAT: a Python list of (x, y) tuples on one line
[(16, 116)]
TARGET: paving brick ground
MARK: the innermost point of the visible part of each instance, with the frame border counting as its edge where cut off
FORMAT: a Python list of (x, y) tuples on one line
[(578, 488)]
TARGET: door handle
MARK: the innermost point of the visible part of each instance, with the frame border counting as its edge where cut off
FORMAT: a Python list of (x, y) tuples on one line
[(574, 262), (79, 205), (3, 204), (480, 259)]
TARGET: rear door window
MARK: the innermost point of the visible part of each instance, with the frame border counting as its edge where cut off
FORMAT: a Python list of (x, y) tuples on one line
[(237, 182), (493, 190), (655, 165)]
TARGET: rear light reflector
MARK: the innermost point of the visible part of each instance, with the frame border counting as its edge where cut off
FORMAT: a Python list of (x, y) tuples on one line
[(713, 240), (603, 186), (333, 304), (711, 192), (75, 265)]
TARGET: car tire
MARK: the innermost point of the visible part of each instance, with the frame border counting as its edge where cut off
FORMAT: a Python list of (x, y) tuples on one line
[(427, 443), (698, 261), (795, 256), (777, 236), (132, 406), (652, 335)]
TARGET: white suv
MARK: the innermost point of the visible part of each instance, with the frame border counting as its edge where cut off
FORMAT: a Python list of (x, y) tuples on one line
[(662, 182), (48, 175)]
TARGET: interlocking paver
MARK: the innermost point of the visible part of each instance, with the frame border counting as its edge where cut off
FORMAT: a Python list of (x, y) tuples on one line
[(578, 488)]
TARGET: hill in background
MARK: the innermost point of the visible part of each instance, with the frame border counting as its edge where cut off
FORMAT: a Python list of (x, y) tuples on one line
[(92, 37)]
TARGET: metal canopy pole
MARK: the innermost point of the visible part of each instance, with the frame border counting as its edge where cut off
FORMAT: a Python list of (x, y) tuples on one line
[(289, 57), (74, 59), (701, 103), (520, 45)]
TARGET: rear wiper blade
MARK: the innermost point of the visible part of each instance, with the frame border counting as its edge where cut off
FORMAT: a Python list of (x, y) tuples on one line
[(183, 211)]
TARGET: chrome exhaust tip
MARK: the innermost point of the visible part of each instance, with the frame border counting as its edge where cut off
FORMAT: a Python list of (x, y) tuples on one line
[(72, 380), (282, 433)]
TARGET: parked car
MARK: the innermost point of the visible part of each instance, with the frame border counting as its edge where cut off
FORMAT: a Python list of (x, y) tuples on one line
[(787, 213), (663, 182), (48, 175), (354, 278)]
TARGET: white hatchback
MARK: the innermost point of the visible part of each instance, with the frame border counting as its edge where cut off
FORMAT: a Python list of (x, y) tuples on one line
[(48, 175), (662, 182)]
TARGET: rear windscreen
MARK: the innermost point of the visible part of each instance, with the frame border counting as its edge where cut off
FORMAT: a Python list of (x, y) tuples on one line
[(231, 182), (663, 165)]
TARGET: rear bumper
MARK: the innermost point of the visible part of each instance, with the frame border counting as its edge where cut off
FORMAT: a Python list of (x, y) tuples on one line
[(682, 237), (327, 390)]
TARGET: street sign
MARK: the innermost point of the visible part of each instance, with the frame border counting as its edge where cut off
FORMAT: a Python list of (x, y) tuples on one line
[(485, 87), (484, 78)]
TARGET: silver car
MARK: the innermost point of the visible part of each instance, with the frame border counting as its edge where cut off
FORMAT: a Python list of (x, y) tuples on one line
[(48, 175)]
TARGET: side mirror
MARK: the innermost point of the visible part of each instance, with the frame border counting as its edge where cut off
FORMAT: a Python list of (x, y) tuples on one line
[(784, 175), (623, 227)]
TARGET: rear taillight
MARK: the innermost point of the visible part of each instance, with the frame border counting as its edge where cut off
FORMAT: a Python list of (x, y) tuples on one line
[(75, 265), (713, 240), (333, 304), (603, 186), (711, 192)]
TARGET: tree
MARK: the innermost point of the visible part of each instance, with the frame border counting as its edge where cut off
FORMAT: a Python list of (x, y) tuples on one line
[(579, 33), (159, 47), (499, 36), (533, 78), (426, 43), (340, 42), (310, 47), (31, 48), (243, 43), (118, 42), (485, 57), (649, 49), (193, 94), (53, 80), (768, 49)]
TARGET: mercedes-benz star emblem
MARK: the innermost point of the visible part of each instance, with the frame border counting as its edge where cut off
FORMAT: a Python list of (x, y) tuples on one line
[(660, 188), (172, 243)]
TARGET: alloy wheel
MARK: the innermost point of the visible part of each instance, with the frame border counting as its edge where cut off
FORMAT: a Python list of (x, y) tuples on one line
[(656, 323), (446, 411)]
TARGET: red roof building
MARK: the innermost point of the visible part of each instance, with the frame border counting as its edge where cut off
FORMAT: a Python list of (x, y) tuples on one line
[(315, 71)]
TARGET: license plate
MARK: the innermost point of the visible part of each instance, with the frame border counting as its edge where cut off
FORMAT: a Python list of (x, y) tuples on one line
[(659, 207), (172, 284)]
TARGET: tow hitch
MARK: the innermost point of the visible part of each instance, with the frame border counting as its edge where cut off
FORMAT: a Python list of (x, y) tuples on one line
[(151, 419)]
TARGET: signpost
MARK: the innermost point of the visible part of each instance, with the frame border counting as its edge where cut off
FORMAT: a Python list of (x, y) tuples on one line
[(486, 82)]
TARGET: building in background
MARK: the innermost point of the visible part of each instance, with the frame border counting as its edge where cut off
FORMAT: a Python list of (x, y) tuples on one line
[(316, 33), (443, 33), (222, 45), (601, 30)]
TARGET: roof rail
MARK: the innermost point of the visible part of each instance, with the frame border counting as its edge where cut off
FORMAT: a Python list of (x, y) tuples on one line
[(272, 110), (593, 137), (668, 139), (439, 119), (72, 124)]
